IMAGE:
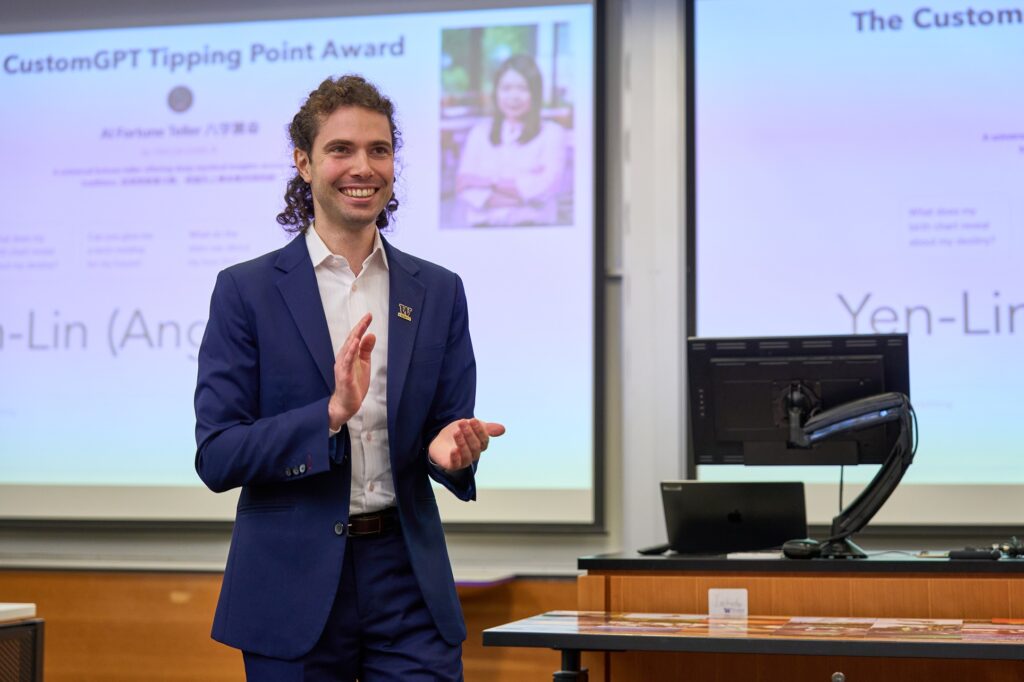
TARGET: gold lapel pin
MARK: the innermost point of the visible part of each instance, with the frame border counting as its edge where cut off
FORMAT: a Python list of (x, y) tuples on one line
[(405, 312)]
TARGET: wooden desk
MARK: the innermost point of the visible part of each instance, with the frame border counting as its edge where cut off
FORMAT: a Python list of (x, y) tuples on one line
[(883, 586), (575, 631)]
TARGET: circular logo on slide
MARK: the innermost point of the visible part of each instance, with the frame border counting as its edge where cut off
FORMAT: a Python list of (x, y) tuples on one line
[(180, 99)]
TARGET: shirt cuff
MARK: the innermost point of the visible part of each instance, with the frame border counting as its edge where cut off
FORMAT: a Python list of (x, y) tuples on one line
[(458, 477)]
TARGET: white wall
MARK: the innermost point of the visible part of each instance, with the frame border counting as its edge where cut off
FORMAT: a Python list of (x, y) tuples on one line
[(652, 237)]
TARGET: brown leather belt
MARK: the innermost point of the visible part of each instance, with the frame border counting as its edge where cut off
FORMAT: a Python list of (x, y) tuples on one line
[(374, 523)]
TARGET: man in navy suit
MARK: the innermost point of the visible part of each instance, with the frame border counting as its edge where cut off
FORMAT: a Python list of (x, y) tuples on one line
[(336, 377)]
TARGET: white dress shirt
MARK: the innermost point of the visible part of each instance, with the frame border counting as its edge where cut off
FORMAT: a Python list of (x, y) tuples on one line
[(346, 298)]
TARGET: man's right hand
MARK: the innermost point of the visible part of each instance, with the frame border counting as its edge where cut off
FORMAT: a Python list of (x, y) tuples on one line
[(351, 374)]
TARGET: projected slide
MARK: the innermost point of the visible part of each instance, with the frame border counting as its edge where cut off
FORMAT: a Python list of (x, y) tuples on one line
[(860, 170), (137, 163)]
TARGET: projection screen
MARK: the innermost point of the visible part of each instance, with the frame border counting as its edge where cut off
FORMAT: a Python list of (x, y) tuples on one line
[(857, 169), (142, 155)]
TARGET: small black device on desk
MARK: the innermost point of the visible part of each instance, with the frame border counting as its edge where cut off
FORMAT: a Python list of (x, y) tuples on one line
[(803, 548), (975, 554)]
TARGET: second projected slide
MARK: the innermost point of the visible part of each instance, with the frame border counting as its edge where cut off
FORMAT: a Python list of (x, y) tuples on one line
[(860, 170)]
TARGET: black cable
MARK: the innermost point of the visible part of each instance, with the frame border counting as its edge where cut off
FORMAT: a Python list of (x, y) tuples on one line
[(842, 471), (913, 419)]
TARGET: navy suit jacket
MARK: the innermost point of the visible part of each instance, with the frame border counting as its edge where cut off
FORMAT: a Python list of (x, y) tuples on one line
[(265, 377)]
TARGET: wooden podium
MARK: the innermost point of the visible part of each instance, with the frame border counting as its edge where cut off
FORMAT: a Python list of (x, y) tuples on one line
[(888, 586)]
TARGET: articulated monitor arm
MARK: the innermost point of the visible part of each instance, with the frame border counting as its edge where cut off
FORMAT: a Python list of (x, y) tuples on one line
[(853, 416)]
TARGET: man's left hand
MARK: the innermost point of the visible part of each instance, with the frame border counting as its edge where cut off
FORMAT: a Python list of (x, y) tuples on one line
[(460, 443)]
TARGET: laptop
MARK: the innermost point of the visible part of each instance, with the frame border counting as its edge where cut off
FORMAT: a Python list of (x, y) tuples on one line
[(704, 517)]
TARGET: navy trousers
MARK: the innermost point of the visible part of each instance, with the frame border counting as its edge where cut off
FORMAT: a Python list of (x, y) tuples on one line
[(379, 628)]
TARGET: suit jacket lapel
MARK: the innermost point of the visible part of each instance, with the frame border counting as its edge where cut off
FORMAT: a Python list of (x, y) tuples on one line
[(404, 313), (302, 296)]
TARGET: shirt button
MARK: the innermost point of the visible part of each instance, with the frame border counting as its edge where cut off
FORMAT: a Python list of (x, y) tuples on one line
[(369, 436), (370, 487), (339, 528), (355, 288)]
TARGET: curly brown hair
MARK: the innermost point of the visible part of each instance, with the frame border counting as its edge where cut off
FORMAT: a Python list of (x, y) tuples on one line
[(346, 91)]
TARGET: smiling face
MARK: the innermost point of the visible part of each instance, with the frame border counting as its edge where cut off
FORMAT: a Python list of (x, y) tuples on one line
[(350, 169), (513, 95)]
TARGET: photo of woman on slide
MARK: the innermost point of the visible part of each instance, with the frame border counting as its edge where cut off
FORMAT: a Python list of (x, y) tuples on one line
[(512, 166), (507, 128)]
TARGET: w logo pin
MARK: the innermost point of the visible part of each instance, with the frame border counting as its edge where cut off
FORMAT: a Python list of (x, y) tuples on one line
[(405, 312)]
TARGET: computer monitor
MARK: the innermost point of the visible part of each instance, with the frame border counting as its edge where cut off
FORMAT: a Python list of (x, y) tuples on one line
[(807, 400), (751, 397)]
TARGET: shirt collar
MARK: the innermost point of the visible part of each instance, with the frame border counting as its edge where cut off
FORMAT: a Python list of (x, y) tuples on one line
[(318, 251)]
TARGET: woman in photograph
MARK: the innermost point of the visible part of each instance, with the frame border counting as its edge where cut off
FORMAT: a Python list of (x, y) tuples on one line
[(512, 166)]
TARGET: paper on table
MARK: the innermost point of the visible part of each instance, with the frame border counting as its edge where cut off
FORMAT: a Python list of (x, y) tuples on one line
[(730, 603)]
